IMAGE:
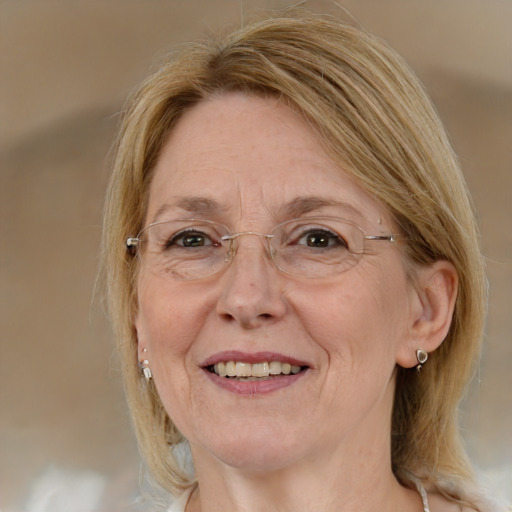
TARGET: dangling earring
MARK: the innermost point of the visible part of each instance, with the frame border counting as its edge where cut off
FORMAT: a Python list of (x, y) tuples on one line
[(422, 357), (146, 370)]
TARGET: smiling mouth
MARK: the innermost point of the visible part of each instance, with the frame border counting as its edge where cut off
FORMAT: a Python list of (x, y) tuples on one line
[(243, 371)]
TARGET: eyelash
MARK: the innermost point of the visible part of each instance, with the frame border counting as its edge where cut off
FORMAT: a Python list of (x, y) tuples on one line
[(182, 234), (331, 235)]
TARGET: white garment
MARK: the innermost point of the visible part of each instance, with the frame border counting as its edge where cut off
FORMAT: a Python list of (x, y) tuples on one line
[(180, 504)]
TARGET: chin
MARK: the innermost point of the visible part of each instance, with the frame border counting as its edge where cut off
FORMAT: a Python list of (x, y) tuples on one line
[(256, 450), (259, 460)]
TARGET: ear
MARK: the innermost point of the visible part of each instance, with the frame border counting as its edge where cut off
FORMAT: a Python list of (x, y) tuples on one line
[(434, 294)]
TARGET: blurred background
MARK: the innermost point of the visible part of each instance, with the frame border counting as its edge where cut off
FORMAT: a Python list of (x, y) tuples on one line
[(66, 442)]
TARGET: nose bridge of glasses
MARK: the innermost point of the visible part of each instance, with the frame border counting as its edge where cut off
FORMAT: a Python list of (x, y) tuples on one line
[(234, 237)]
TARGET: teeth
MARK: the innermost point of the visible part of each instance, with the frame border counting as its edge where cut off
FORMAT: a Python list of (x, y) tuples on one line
[(231, 369), (260, 370), (244, 370), (275, 368), (257, 370), (220, 369)]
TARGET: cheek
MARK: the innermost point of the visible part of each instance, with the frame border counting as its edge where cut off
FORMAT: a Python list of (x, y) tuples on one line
[(359, 320), (167, 322)]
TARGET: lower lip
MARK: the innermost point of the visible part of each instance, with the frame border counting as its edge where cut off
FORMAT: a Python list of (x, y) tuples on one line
[(255, 387)]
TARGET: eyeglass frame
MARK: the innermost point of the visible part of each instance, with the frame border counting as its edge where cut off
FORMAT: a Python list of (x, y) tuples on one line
[(133, 242)]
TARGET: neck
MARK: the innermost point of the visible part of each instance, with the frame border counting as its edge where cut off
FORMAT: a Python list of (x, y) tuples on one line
[(343, 481)]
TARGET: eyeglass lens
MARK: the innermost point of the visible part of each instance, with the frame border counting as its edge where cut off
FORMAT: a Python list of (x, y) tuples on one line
[(308, 247)]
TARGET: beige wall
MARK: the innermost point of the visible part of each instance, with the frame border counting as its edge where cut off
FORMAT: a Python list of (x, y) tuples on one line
[(66, 67)]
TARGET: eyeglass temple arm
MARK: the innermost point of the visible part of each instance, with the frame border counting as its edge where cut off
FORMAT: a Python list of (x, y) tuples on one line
[(389, 238)]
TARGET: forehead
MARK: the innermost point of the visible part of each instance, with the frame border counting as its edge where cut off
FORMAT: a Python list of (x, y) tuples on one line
[(251, 157)]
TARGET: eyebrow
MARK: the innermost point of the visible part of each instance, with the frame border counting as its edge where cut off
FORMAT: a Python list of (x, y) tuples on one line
[(203, 206), (306, 204), (195, 205)]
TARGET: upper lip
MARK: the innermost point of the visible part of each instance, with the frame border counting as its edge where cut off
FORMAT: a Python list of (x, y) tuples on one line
[(251, 357)]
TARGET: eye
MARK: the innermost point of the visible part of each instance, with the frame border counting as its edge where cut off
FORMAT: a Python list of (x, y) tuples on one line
[(191, 238), (320, 239)]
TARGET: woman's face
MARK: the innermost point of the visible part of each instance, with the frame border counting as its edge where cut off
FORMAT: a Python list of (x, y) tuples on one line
[(251, 163)]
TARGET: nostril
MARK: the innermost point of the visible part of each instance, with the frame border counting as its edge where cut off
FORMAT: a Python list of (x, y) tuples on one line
[(227, 316)]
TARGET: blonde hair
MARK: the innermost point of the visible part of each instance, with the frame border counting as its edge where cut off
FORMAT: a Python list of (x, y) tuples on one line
[(375, 119)]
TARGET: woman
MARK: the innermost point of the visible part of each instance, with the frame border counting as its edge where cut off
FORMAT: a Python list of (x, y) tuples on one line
[(288, 242)]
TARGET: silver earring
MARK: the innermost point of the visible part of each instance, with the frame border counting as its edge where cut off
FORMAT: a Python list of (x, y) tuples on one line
[(422, 357), (146, 370)]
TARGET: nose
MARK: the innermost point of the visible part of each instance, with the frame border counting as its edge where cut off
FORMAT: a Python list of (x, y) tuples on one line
[(251, 293)]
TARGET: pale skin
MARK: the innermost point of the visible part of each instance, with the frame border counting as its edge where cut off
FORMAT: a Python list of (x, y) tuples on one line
[(321, 443)]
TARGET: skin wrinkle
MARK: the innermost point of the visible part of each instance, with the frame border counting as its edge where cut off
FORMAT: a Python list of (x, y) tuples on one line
[(210, 209), (315, 165)]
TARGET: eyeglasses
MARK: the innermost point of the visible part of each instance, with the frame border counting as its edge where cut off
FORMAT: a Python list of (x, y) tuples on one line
[(310, 247)]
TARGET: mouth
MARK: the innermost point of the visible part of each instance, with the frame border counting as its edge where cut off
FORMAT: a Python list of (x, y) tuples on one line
[(254, 373), (248, 372)]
